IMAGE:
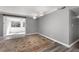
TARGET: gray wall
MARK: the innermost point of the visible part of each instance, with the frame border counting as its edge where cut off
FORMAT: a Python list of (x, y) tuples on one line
[(1, 25), (77, 28), (72, 27), (31, 26), (55, 25)]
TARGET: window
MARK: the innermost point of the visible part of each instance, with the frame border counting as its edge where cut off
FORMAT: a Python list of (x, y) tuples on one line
[(15, 24)]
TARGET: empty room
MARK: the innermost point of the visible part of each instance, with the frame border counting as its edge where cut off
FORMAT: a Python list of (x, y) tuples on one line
[(39, 28)]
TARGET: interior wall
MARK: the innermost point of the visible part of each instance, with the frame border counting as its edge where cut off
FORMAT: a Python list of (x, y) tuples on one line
[(74, 27), (55, 25), (31, 26), (1, 25), (77, 29)]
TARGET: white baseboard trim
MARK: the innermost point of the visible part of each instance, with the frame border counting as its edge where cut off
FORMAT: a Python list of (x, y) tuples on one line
[(55, 40), (9, 37), (67, 45), (74, 43), (31, 33)]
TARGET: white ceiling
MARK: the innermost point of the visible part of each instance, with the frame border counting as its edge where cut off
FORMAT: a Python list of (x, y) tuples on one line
[(29, 10)]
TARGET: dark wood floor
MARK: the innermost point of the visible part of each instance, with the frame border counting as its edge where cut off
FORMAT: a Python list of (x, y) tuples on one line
[(34, 43), (61, 48)]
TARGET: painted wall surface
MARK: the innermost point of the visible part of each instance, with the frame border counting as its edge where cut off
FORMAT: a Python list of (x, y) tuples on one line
[(55, 25), (73, 27), (1, 25), (31, 26), (77, 29)]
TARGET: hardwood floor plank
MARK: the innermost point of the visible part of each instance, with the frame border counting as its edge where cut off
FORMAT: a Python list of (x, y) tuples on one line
[(34, 43)]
